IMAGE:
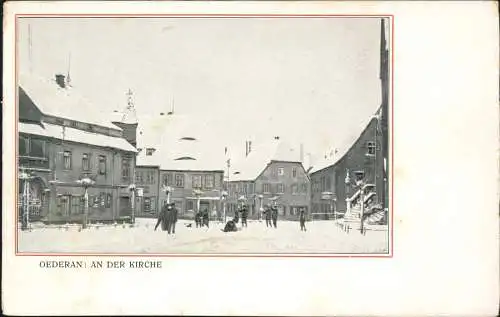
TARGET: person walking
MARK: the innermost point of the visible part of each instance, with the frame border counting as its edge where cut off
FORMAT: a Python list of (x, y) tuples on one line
[(302, 219), (274, 216), (267, 215)]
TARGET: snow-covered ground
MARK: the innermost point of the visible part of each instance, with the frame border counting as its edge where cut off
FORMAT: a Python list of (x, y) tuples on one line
[(321, 237)]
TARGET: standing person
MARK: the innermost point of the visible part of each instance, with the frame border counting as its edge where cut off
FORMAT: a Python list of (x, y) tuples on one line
[(302, 219), (236, 216), (244, 216), (161, 218), (267, 213), (205, 218), (274, 215), (173, 217)]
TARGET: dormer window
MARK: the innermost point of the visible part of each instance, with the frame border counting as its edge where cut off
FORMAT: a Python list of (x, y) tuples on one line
[(185, 158), (187, 138), (150, 151), (371, 147)]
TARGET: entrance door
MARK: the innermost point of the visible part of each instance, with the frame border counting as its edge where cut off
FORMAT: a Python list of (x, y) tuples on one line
[(125, 208)]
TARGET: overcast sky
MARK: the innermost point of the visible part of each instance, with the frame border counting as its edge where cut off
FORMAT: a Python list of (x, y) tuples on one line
[(309, 80)]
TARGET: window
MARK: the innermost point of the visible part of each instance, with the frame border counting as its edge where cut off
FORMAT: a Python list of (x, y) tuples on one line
[(167, 179), (266, 188), (250, 188), (138, 177), (179, 180), (86, 161), (328, 183), (371, 148), (109, 199), (147, 204), (196, 181), (125, 169), (323, 183), (37, 148), (294, 172), (281, 171), (295, 189), (190, 205), (281, 188), (304, 188), (76, 205), (67, 160), (102, 164), (23, 146), (209, 181), (150, 151), (150, 177), (102, 200)]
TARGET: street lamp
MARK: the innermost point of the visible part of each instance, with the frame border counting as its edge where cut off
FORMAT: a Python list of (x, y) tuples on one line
[(24, 176), (360, 182), (168, 191), (197, 193), (86, 183), (224, 195), (132, 188)]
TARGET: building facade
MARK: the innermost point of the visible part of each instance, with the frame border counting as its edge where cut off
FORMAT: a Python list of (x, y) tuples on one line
[(58, 151), (285, 181), (363, 157), (147, 180)]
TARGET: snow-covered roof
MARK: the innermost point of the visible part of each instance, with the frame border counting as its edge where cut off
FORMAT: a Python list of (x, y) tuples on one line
[(63, 102), (75, 135), (344, 146), (248, 168), (180, 143)]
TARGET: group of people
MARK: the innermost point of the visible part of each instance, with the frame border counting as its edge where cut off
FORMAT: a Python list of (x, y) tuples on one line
[(167, 218), (201, 219)]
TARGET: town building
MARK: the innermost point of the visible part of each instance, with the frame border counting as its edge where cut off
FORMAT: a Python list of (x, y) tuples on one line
[(173, 154), (364, 157), (269, 171), (63, 138)]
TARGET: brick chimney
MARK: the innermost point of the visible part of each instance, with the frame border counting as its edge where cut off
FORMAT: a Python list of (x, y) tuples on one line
[(61, 80)]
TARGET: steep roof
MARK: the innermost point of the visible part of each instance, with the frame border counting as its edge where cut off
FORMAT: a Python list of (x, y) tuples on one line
[(180, 143), (344, 146), (75, 135), (62, 102), (249, 168)]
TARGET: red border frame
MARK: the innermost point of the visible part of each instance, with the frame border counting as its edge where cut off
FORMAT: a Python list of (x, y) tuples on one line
[(223, 255)]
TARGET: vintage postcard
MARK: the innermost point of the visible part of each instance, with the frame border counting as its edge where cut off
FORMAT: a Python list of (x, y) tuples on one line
[(215, 148)]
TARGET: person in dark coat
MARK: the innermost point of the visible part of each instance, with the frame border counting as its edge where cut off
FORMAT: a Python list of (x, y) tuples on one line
[(244, 216), (267, 215), (302, 219), (274, 215), (172, 218), (162, 218), (236, 218), (205, 218), (197, 219), (230, 226)]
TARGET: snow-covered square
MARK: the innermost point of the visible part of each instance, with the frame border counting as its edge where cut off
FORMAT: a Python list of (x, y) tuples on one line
[(320, 237)]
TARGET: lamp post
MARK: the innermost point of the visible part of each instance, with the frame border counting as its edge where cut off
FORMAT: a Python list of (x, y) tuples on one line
[(86, 183), (25, 176), (224, 195), (197, 193), (132, 188), (168, 191), (360, 182)]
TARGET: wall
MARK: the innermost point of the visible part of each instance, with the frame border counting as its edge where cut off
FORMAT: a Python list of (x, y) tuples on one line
[(355, 159), (180, 193), (151, 188), (289, 199)]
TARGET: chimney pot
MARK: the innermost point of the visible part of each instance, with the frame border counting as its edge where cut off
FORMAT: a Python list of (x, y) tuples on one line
[(61, 80)]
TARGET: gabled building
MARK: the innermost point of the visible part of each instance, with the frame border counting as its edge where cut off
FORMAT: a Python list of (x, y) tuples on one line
[(269, 171), (365, 156), (64, 138), (174, 153)]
